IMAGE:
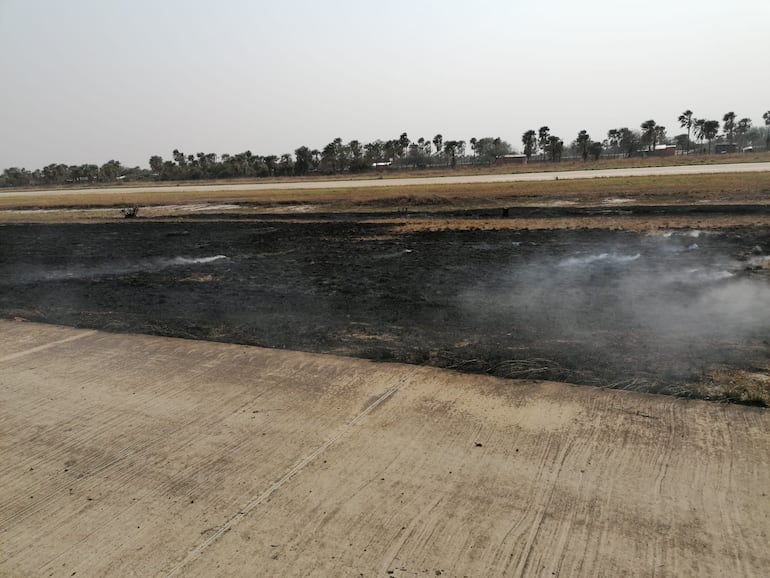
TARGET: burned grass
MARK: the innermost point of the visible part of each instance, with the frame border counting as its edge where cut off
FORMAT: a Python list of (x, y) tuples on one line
[(675, 303)]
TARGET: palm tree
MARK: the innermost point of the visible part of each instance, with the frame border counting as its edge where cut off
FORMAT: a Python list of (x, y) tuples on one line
[(584, 142), (542, 138), (437, 141), (766, 117), (686, 121), (403, 141), (529, 140), (649, 134), (710, 130), (729, 126), (742, 128), (698, 125), (451, 150), (555, 147)]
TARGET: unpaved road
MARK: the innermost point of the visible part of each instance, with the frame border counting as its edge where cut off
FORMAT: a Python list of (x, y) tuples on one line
[(133, 455), (449, 180)]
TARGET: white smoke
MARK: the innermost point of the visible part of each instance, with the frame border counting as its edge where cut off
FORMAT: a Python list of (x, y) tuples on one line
[(107, 269), (659, 300)]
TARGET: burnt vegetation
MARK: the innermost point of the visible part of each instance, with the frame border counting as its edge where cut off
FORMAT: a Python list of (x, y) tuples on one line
[(670, 313)]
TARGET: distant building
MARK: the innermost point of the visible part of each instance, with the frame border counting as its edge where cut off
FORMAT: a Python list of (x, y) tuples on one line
[(723, 148), (511, 160), (662, 150)]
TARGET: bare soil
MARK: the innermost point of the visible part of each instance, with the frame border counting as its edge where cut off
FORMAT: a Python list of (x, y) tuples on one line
[(657, 298)]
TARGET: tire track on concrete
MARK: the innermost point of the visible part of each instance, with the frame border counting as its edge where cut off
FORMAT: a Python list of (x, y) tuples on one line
[(16, 511), (543, 504), (99, 466), (77, 444), (164, 489), (299, 466)]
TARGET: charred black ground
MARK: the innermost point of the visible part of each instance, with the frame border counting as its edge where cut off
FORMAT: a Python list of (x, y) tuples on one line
[(652, 312)]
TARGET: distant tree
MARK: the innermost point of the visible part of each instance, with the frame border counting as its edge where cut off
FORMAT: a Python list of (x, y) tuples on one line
[(179, 158), (355, 154), (473, 142), (596, 150), (329, 159), (16, 177), (416, 155), (649, 134), (403, 142), (373, 152), (490, 148), (686, 121), (341, 153), (741, 128), (304, 160), (156, 164), (682, 141), (55, 174), (766, 118), (729, 125), (710, 130), (451, 149), (698, 130), (543, 134), (555, 148), (285, 165), (583, 142), (390, 149), (260, 166), (271, 164), (438, 141), (629, 141), (83, 173), (529, 140), (109, 171)]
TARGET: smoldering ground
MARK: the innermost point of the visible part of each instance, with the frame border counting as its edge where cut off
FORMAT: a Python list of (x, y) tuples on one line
[(115, 267), (661, 307), (589, 306)]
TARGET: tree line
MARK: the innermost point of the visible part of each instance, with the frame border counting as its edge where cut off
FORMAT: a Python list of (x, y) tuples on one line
[(626, 142), (402, 152)]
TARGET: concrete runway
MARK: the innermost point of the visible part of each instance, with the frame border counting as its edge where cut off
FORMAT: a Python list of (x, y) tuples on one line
[(395, 182), (128, 455)]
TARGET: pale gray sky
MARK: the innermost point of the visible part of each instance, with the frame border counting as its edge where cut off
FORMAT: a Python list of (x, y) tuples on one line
[(92, 80)]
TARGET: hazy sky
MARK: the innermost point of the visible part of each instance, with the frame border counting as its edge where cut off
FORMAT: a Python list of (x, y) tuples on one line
[(92, 80)]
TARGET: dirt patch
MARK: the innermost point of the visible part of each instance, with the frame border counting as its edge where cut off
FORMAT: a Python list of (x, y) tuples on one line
[(647, 308)]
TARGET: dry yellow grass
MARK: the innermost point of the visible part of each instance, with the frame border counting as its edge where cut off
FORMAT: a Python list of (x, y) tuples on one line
[(680, 189), (642, 223)]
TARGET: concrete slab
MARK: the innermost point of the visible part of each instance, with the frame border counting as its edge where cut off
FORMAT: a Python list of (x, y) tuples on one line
[(127, 455)]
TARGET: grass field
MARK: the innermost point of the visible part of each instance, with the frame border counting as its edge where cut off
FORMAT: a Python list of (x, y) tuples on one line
[(677, 189)]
